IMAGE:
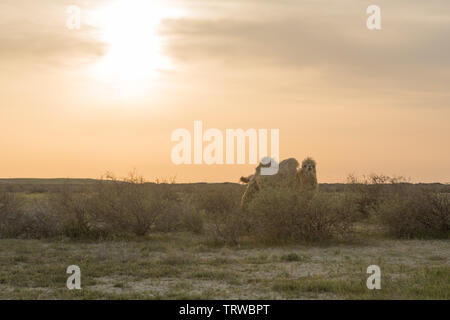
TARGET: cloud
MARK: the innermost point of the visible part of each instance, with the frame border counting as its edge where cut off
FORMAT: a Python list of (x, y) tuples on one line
[(36, 33), (247, 36), (412, 49)]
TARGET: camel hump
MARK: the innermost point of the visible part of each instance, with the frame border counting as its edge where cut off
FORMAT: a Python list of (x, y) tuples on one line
[(290, 163)]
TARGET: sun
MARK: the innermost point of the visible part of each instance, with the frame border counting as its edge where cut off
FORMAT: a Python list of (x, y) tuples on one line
[(129, 28)]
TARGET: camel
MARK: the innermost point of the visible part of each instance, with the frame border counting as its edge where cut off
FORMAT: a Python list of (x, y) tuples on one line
[(304, 179), (307, 176)]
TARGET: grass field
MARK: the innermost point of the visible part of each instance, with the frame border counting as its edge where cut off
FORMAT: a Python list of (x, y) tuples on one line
[(184, 266), (135, 240)]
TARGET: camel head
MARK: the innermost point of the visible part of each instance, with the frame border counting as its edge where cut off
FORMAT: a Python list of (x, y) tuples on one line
[(307, 178), (309, 167)]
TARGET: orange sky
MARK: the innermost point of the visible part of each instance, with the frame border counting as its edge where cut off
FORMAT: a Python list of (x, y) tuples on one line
[(78, 103)]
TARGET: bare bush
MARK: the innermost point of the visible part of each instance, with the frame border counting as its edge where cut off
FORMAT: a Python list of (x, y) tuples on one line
[(113, 207), (121, 207), (225, 220), (192, 219), (369, 191), (11, 214), (41, 220), (284, 215), (72, 209), (182, 215), (22, 218), (129, 205), (418, 214)]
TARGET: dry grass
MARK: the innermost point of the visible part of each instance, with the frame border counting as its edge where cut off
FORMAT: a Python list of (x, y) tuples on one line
[(183, 266), (134, 240)]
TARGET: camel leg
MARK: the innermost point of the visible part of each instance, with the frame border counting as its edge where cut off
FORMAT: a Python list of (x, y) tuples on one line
[(249, 193)]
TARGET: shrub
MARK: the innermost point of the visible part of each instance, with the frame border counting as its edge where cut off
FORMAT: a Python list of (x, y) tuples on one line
[(327, 216), (22, 218), (11, 214), (72, 210), (183, 215), (41, 220), (417, 214), (369, 191), (192, 219), (284, 215), (129, 205), (272, 213), (225, 221), (113, 207), (171, 220)]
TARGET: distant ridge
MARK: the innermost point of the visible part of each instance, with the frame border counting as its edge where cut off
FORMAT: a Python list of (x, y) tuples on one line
[(92, 181), (47, 181)]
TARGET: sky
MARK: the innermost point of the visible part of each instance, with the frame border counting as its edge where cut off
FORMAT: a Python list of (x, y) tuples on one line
[(77, 103)]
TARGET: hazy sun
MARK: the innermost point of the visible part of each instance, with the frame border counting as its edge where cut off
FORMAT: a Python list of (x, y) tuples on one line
[(130, 29)]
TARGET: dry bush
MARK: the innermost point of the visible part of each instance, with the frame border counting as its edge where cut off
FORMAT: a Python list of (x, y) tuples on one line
[(192, 219), (327, 216), (225, 222), (272, 213), (22, 218), (171, 220), (73, 211), (369, 191), (110, 208), (284, 215), (417, 214), (128, 206), (113, 207), (11, 214), (41, 220), (183, 215)]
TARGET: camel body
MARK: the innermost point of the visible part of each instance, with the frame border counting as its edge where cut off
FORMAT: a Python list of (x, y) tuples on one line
[(303, 179)]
